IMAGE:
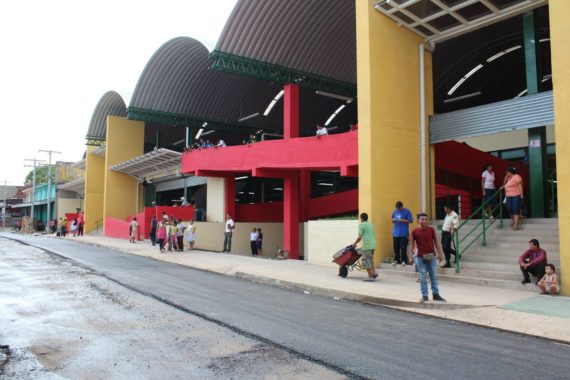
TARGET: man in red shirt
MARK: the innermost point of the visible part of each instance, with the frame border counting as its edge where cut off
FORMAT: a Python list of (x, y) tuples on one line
[(424, 241), (533, 261)]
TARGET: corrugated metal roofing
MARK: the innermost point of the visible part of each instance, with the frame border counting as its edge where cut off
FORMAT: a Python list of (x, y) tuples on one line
[(509, 115), (111, 103), (177, 80), (315, 36)]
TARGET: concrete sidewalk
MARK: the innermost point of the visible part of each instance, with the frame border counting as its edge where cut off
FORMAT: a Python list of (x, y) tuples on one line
[(502, 309)]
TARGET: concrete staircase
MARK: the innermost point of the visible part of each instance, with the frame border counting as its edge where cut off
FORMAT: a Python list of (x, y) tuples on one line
[(496, 265)]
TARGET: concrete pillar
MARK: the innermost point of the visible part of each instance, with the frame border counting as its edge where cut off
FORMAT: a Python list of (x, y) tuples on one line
[(304, 195), (230, 196), (388, 119), (125, 140), (94, 188), (290, 111), (560, 55)]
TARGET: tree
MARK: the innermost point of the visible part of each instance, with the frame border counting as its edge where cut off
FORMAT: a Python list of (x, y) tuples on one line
[(41, 174)]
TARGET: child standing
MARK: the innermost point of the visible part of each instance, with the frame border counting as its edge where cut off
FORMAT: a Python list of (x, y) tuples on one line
[(549, 282)]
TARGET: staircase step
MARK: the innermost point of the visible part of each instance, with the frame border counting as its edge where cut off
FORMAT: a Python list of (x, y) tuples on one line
[(488, 273), (464, 279)]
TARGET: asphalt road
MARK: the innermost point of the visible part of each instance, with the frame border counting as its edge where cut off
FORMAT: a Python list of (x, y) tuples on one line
[(355, 340)]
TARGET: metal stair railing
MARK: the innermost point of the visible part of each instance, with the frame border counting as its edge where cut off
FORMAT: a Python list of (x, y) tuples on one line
[(480, 229)]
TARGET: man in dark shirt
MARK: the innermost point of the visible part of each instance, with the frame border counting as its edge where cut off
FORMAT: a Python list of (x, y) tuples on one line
[(423, 240), (533, 261)]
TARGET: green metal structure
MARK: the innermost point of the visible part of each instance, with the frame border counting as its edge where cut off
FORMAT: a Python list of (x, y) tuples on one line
[(464, 238), (253, 68)]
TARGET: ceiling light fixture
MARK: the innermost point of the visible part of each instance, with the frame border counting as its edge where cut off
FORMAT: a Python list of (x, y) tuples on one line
[(462, 97), (334, 115), (253, 115), (335, 96), (273, 102), (240, 178)]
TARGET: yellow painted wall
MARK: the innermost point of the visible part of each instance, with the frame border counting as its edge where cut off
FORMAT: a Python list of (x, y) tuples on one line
[(325, 237), (94, 184), (125, 140), (560, 54), (68, 205), (210, 236), (388, 119), (215, 199)]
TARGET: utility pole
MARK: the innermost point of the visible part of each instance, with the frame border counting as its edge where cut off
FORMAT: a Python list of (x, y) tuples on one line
[(4, 208), (36, 162), (49, 152)]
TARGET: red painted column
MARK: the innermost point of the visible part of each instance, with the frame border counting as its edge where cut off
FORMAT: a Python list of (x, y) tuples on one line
[(291, 215), (291, 182), (305, 195), (290, 111), (230, 184)]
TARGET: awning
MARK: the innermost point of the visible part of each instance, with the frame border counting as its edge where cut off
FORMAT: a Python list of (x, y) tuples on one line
[(79, 164), (77, 185), (159, 160), (101, 150), (438, 20), (29, 204)]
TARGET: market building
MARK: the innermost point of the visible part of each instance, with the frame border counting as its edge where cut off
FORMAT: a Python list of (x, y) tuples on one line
[(416, 95)]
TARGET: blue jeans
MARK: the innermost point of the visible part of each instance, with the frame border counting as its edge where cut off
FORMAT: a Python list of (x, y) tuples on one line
[(431, 269)]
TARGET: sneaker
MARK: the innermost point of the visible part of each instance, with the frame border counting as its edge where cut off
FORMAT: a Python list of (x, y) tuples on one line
[(525, 282), (447, 265), (424, 299), (491, 217), (369, 279), (394, 264), (403, 264), (375, 275), (437, 297)]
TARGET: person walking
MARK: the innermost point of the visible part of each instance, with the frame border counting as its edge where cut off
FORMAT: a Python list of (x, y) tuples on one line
[(450, 225), (513, 185), (191, 235), (152, 233), (81, 225), (230, 225), (533, 261), (259, 242), (161, 235), (173, 244), (253, 241), (73, 227), (134, 229), (488, 187), (367, 235), (401, 218), (180, 235), (424, 240)]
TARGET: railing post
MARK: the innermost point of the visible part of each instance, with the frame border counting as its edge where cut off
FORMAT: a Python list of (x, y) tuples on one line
[(501, 208), (484, 228), (457, 251)]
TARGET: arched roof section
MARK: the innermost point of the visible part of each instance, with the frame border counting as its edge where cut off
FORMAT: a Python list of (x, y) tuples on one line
[(177, 80), (317, 37), (111, 103)]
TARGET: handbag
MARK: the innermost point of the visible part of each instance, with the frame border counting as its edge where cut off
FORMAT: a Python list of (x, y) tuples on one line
[(428, 257)]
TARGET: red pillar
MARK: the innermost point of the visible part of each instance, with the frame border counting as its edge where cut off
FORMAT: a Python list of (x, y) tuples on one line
[(230, 184), (291, 182), (290, 111), (291, 215), (305, 195)]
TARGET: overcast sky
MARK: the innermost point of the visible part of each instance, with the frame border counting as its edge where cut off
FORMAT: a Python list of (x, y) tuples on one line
[(59, 57)]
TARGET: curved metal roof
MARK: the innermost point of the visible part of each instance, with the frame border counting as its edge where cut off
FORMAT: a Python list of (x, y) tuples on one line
[(317, 37), (177, 80), (111, 103)]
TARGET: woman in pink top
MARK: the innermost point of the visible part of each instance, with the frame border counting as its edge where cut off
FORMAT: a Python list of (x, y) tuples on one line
[(513, 185), (161, 236)]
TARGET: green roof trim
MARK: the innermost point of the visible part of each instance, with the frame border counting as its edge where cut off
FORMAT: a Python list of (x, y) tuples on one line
[(95, 140), (179, 120), (257, 69)]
